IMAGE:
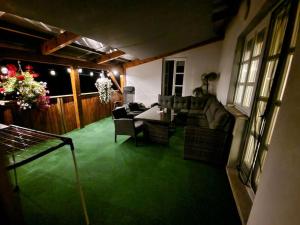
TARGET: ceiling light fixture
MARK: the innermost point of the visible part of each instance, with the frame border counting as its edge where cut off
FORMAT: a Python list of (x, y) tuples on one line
[(69, 70), (79, 70), (91, 74)]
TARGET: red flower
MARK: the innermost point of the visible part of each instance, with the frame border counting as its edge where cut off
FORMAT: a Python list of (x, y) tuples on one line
[(34, 75), (2, 90), (29, 67), (20, 77), (12, 69)]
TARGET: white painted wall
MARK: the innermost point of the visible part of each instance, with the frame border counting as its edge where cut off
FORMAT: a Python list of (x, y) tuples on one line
[(277, 200), (198, 61), (233, 31), (146, 79)]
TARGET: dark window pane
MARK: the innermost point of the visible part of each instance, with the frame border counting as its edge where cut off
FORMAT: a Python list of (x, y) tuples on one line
[(178, 91), (179, 79), (180, 67), (169, 77)]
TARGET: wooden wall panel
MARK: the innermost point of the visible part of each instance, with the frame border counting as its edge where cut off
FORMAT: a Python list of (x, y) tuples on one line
[(60, 117)]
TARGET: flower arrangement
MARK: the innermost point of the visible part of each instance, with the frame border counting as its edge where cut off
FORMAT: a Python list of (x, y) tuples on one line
[(104, 88), (22, 86)]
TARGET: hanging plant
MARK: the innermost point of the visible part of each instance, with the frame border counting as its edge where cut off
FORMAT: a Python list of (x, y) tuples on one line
[(20, 85), (104, 89)]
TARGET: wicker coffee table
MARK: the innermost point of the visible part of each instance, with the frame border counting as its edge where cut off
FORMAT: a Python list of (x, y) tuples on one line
[(157, 124)]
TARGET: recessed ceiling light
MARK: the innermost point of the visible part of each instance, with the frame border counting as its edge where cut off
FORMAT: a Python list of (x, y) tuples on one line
[(79, 70), (91, 74)]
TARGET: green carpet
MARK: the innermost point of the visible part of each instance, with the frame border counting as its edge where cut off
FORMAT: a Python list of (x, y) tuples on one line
[(123, 184)]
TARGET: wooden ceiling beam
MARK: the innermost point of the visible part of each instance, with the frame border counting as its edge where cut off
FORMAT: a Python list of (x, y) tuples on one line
[(114, 80), (58, 42), (48, 59), (110, 56)]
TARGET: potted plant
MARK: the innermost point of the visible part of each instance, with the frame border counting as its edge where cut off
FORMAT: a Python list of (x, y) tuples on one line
[(19, 85), (203, 89), (103, 85)]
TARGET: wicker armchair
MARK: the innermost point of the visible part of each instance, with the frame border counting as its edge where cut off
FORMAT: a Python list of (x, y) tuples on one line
[(125, 125)]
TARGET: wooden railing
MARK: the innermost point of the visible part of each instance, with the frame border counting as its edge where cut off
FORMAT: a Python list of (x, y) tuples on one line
[(59, 118)]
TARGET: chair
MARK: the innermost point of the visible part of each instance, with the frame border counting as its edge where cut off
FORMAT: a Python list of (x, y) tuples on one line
[(125, 125)]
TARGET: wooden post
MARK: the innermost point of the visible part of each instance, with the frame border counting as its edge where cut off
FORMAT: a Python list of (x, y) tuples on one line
[(76, 96), (122, 82), (61, 112)]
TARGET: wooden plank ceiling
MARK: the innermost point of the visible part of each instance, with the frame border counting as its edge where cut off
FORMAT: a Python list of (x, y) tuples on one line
[(35, 40)]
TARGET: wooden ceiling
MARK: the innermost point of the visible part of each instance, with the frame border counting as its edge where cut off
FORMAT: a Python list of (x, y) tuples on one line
[(113, 39)]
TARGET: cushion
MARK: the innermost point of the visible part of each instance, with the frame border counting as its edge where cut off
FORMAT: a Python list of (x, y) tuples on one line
[(165, 101), (119, 112), (221, 120), (210, 112), (133, 106), (198, 102), (181, 103)]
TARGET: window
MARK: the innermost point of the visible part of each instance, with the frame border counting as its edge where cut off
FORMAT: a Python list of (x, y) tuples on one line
[(173, 77), (249, 68), (273, 76)]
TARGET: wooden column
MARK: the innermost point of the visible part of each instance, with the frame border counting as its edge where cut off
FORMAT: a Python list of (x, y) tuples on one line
[(122, 82), (76, 96), (123, 78)]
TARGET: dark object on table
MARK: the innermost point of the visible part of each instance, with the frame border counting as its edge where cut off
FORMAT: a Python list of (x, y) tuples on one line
[(125, 125)]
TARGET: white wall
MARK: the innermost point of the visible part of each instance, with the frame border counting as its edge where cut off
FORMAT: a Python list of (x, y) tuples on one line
[(233, 31), (146, 79), (277, 200), (198, 61)]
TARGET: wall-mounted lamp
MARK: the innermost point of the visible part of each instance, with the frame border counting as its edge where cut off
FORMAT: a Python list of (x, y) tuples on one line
[(4, 70), (115, 72), (52, 72)]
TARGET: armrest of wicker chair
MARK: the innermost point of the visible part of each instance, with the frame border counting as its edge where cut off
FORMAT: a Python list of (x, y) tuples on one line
[(209, 145)]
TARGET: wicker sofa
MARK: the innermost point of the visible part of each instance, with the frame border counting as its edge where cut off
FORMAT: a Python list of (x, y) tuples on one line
[(208, 127)]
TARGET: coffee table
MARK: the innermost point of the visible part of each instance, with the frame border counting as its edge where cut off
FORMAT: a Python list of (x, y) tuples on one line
[(157, 124)]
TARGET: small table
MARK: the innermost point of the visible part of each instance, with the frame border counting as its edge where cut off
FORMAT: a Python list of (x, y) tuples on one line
[(157, 124)]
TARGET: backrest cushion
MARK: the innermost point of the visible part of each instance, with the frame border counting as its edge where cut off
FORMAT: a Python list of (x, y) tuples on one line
[(181, 103), (198, 102), (133, 106), (211, 110), (165, 101), (119, 113), (222, 120)]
